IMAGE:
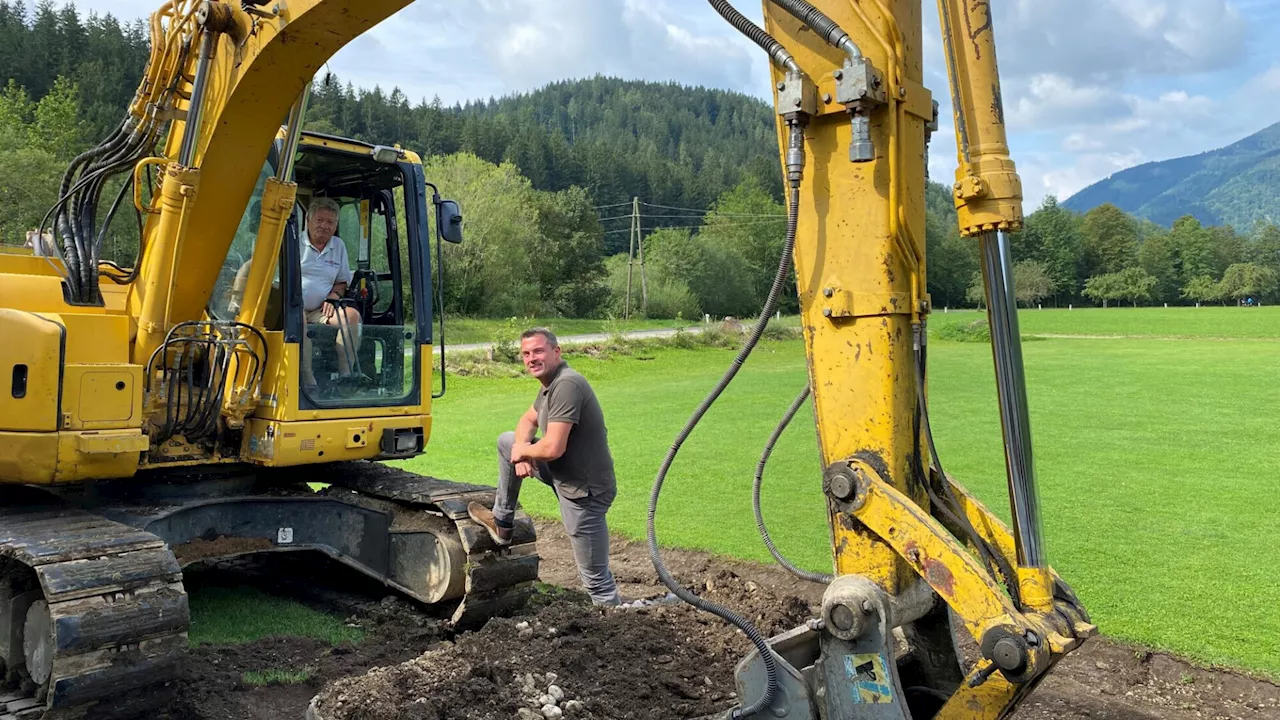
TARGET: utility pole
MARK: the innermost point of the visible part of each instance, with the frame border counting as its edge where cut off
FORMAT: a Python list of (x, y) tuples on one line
[(644, 285), (631, 255)]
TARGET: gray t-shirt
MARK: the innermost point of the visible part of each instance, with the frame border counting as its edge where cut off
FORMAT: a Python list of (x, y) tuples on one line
[(586, 467)]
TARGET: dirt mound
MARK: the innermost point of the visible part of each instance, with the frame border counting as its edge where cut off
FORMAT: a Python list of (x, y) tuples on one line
[(475, 676), (661, 661), (769, 612)]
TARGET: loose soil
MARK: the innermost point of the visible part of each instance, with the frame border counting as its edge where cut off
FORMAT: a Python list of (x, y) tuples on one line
[(666, 661)]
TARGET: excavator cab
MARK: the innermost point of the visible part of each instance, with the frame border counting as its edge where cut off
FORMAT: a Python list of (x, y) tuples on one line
[(380, 192)]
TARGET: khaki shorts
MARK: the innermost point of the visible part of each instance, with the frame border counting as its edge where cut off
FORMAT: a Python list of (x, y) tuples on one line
[(316, 317)]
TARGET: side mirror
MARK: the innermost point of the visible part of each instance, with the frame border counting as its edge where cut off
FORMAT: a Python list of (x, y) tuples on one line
[(449, 221)]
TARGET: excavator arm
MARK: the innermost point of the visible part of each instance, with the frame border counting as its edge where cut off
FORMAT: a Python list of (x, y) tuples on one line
[(917, 558)]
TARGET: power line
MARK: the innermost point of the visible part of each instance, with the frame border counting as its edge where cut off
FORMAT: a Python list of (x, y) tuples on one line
[(669, 207), (696, 227), (681, 209), (696, 217), (696, 210)]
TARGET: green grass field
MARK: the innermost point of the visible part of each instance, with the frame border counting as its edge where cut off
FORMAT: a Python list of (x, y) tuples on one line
[(1176, 322), (234, 615), (1155, 459)]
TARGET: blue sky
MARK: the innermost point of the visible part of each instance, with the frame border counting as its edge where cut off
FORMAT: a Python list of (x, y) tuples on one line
[(1091, 86)]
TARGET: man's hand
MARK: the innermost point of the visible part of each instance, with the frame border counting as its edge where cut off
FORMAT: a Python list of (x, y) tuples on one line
[(328, 309), (524, 469), (520, 453)]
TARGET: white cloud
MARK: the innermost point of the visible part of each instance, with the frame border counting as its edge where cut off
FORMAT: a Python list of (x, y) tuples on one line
[(1087, 169), (1089, 85), (1095, 86), (1259, 96), (1114, 39), (495, 47), (1056, 100), (473, 49)]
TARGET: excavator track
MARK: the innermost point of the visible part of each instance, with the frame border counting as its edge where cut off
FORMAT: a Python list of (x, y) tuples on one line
[(495, 579), (91, 612), (94, 617)]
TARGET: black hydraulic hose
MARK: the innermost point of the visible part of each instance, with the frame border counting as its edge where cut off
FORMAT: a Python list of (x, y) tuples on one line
[(755, 494), (777, 53), (952, 507), (824, 26), (129, 156), (67, 222), (106, 224), (73, 250), (77, 247), (761, 643)]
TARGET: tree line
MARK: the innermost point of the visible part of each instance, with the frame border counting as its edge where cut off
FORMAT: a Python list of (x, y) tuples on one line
[(669, 144), (1107, 257), (546, 180)]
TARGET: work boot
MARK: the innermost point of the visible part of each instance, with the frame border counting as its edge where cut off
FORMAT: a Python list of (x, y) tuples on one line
[(483, 515)]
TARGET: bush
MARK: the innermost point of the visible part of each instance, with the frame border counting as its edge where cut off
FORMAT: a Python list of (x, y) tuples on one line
[(684, 339), (714, 336), (973, 332), (776, 331), (671, 299), (503, 359), (976, 331), (506, 341)]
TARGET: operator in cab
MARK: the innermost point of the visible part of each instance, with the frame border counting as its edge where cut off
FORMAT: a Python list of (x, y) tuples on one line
[(572, 457), (326, 271)]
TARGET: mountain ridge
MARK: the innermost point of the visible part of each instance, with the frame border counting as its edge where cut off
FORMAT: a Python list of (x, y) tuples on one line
[(1238, 185)]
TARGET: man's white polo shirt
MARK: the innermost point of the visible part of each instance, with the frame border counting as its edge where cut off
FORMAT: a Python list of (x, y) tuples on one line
[(321, 270)]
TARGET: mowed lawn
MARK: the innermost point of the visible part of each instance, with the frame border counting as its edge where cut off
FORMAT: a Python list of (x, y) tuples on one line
[(1156, 460), (1209, 322)]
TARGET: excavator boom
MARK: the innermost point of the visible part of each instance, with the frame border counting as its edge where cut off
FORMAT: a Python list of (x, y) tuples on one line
[(917, 559)]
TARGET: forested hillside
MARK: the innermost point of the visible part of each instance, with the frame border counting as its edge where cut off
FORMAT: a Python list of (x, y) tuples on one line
[(1237, 185), (665, 143), (101, 54), (546, 180)]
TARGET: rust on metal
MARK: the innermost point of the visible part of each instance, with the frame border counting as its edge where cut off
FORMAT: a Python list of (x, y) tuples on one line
[(220, 547)]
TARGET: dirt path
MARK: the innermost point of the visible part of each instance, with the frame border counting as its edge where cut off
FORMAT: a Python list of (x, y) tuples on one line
[(664, 662), (583, 339)]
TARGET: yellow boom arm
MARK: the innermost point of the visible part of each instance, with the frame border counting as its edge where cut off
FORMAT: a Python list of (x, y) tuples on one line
[(861, 274), (258, 64)]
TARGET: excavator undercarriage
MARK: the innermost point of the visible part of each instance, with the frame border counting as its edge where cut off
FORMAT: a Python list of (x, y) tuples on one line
[(93, 614)]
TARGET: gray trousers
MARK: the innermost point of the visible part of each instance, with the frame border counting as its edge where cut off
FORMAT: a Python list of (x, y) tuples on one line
[(584, 521)]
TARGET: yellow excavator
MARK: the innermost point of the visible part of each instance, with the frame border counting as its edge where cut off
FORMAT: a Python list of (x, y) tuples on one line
[(176, 410)]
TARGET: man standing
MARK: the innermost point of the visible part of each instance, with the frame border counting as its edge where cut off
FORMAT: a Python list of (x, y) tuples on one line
[(326, 271), (572, 456)]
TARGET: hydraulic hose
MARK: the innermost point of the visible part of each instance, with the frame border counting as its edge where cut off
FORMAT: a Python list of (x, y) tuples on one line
[(777, 53), (761, 643), (755, 494), (951, 506), (824, 26)]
